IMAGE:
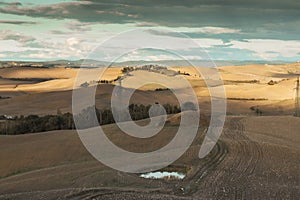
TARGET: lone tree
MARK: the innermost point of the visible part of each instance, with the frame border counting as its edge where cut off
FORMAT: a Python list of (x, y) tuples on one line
[(188, 106), (85, 85)]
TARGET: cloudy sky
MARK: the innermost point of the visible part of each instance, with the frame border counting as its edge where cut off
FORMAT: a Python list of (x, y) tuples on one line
[(226, 30)]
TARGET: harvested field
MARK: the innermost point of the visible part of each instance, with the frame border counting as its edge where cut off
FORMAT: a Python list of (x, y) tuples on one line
[(249, 162), (255, 158)]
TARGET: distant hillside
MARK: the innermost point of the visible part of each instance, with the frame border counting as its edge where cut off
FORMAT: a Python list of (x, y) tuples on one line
[(95, 63)]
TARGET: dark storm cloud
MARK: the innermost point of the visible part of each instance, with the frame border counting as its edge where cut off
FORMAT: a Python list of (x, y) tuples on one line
[(84, 11), (16, 22), (227, 37), (16, 36), (10, 3), (268, 17), (58, 32)]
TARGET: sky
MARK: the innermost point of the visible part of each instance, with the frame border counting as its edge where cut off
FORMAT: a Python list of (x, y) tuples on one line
[(226, 30)]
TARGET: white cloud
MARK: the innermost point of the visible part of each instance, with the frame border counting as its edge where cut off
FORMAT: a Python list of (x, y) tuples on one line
[(210, 30), (77, 45), (217, 30), (146, 55), (63, 48), (78, 26), (9, 45), (270, 49)]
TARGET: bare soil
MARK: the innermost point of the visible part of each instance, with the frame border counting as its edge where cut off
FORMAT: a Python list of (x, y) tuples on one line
[(251, 161)]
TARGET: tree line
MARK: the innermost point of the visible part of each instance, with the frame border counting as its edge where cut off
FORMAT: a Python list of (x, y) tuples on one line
[(34, 123), (86, 118)]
